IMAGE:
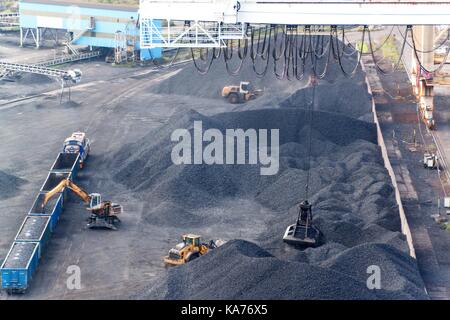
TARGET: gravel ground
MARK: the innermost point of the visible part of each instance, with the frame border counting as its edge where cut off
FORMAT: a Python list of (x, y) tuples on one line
[(9, 184)]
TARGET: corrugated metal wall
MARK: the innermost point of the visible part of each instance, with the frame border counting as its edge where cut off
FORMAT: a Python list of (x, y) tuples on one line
[(77, 19)]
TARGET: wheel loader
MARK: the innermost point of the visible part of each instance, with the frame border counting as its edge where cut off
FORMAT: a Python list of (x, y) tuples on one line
[(191, 248), (241, 93), (103, 213)]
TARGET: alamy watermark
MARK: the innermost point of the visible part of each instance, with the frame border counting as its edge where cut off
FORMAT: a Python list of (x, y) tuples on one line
[(73, 282), (374, 279), (235, 147)]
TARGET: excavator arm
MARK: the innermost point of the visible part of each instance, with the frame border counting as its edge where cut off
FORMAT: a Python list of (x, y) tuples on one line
[(72, 186), (79, 192)]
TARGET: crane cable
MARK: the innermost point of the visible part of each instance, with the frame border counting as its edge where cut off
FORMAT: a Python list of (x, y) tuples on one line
[(265, 55), (241, 56), (208, 64), (397, 64), (315, 58), (439, 67), (310, 113), (349, 74), (379, 47), (440, 45)]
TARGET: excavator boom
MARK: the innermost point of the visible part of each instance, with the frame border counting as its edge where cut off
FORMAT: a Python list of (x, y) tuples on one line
[(72, 186)]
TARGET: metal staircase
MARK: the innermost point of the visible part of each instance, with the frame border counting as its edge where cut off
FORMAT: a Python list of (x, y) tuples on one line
[(74, 35)]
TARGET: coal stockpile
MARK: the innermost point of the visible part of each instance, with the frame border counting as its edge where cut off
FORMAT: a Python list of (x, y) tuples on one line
[(32, 228), (336, 97), (399, 272), (20, 255), (9, 184), (242, 270), (189, 82), (351, 192), (350, 189)]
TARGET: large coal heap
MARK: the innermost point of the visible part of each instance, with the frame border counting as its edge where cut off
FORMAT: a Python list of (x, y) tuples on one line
[(242, 270), (350, 189)]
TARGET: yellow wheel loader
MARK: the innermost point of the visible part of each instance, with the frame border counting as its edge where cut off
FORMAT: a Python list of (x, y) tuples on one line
[(241, 93), (191, 248)]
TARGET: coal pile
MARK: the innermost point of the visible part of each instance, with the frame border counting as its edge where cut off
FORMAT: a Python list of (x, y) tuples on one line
[(189, 82), (9, 184), (398, 272), (352, 196), (353, 205), (242, 270), (336, 97)]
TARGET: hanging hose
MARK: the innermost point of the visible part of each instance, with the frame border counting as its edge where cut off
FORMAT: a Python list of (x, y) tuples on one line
[(352, 73), (264, 55), (379, 47), (208, 64), (439, 67), (395, 67), (422, 51), (241, 56), (290, 50)]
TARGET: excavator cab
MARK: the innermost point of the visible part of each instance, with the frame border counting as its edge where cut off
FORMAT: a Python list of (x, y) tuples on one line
[(96, 200), (303, 232)]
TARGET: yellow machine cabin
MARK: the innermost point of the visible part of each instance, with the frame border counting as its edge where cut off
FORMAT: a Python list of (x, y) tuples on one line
[(188, 250), (241, 93)]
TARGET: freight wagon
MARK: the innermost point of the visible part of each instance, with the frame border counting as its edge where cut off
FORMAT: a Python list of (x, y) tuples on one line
[(22, 260), (52, 209), (35, 229), (19, 266), (66, 162)]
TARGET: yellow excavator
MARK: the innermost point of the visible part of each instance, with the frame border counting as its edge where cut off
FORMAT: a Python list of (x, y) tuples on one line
[(190, 249), (103, 213), (241, 93)]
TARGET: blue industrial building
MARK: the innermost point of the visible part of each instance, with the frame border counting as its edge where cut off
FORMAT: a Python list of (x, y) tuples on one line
[(95, 25)]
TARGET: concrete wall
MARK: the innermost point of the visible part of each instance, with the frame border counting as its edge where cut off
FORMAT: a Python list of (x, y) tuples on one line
[(387, 163), (76, 18)]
